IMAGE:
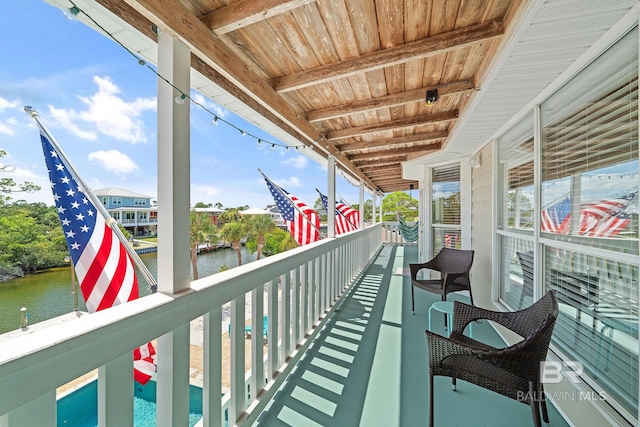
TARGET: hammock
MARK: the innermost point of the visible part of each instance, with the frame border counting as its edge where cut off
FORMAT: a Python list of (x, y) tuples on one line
[(409, 232)]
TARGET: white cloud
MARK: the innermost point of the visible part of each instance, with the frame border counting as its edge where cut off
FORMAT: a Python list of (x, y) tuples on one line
[(203, 193), (298, 162), (108, 113), (210, 105), (8, 105), (114, 161), (20, 175), (7, 127), (292, 182)]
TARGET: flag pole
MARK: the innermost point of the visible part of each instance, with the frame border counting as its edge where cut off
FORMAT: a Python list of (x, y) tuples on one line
[(87, 191), (341, 214), (293, 203)]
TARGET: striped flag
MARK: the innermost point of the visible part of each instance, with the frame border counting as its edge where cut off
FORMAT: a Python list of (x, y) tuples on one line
[(556, 217), (104, 269), (302, 222), (344, 224), (606, 217), (352, 214)]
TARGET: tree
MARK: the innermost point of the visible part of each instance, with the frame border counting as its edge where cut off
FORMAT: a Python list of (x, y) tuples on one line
[(202, 205), (258, 227), (234, 232), (399, 201), (201, 230), (218, 205), (8, 185), (278, 241)]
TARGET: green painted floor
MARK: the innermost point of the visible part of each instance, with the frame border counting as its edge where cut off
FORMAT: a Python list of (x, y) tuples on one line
[(368, 367)]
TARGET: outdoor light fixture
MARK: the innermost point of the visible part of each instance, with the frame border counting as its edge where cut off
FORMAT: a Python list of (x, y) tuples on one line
[(432, 96), (214, 122)]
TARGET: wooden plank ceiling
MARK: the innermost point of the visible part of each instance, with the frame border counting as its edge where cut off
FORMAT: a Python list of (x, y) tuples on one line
[(347, 77)]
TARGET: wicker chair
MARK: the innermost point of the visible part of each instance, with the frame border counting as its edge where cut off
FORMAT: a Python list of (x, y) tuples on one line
[(513, 371), (453, 265)]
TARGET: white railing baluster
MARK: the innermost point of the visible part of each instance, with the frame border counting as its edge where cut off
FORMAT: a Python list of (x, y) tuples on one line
[(212, 413), (38, 412), (257, 342), (237, 357), (273, 360), (115, 393), (172, 397)]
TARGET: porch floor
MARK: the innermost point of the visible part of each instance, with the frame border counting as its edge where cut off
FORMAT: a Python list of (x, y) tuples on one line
[(369, 366)]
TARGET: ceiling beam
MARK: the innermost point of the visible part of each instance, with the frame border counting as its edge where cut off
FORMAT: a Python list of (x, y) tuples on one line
[(174, 17), (392, 100), (387, 143), (394, 152), (430, 46), (246, 12), (392, 125), (381, 162), (398, 187), (384, 173), (368, 168)]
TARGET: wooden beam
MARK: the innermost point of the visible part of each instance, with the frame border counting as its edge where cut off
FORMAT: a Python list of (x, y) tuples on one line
[(430, 46), (368, 168), (388, 101), (381, 162), (174, 17), (393, 125), (246, 12), (389, 143), (384, 173), (394, 152), (398, 187)]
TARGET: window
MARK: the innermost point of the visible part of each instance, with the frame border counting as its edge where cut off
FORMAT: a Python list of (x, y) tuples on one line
[(589, 219), (445, 207), (116, 201), (104, 201), (140, 202)]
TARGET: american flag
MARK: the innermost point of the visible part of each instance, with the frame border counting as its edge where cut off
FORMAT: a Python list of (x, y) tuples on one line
[(344, 224), (302, 222), (104, 269), (607, 217), (352, 214), (556, 218)]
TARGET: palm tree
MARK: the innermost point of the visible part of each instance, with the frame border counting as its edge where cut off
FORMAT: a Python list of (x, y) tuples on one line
[(201, 230), (234, 232), (259, 226)]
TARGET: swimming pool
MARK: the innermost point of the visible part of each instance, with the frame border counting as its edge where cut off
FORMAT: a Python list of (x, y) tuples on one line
[(80, 407)]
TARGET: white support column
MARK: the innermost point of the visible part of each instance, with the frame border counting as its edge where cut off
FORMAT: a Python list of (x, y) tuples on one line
[(361, 225), (38, 412), (173, 220), (465, 204), (331, 196), (173, 166), (374, 198), (115, 393)]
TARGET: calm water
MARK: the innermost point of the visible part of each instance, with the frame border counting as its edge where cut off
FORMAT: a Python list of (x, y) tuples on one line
[(48, 293)]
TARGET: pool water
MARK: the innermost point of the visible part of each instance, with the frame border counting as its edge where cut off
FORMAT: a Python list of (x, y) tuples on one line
[(80, 407)]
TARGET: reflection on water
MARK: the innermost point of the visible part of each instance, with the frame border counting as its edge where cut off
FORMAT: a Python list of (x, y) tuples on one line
[(47, 294)]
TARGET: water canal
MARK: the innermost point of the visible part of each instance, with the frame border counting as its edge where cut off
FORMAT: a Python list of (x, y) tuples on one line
[(47, 294)]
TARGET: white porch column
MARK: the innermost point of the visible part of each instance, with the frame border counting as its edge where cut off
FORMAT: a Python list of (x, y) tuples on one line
[(374, 198), (361, 225), (331, 197), (173, 225)]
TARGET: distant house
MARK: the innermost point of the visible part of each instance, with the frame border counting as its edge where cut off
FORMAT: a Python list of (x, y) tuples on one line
[(133, 210), (276, 216), (213, 213)]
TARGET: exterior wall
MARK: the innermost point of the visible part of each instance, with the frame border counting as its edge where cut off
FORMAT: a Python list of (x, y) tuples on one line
[(482, 229)]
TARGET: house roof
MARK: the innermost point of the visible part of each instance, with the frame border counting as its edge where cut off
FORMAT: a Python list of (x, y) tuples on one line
[(119, 192), (350, 82)]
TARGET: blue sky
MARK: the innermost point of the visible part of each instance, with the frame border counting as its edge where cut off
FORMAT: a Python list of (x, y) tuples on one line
[(100, 105)]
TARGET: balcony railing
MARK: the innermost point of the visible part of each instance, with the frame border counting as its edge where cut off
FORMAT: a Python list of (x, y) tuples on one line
[(391, 234), (302, 285)]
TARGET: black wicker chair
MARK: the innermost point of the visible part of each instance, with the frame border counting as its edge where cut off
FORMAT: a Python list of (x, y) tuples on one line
[(453, 265), (513, 371)]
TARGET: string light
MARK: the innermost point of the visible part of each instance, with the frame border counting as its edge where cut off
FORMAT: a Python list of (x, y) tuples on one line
[(72, 14), (259, 142)]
